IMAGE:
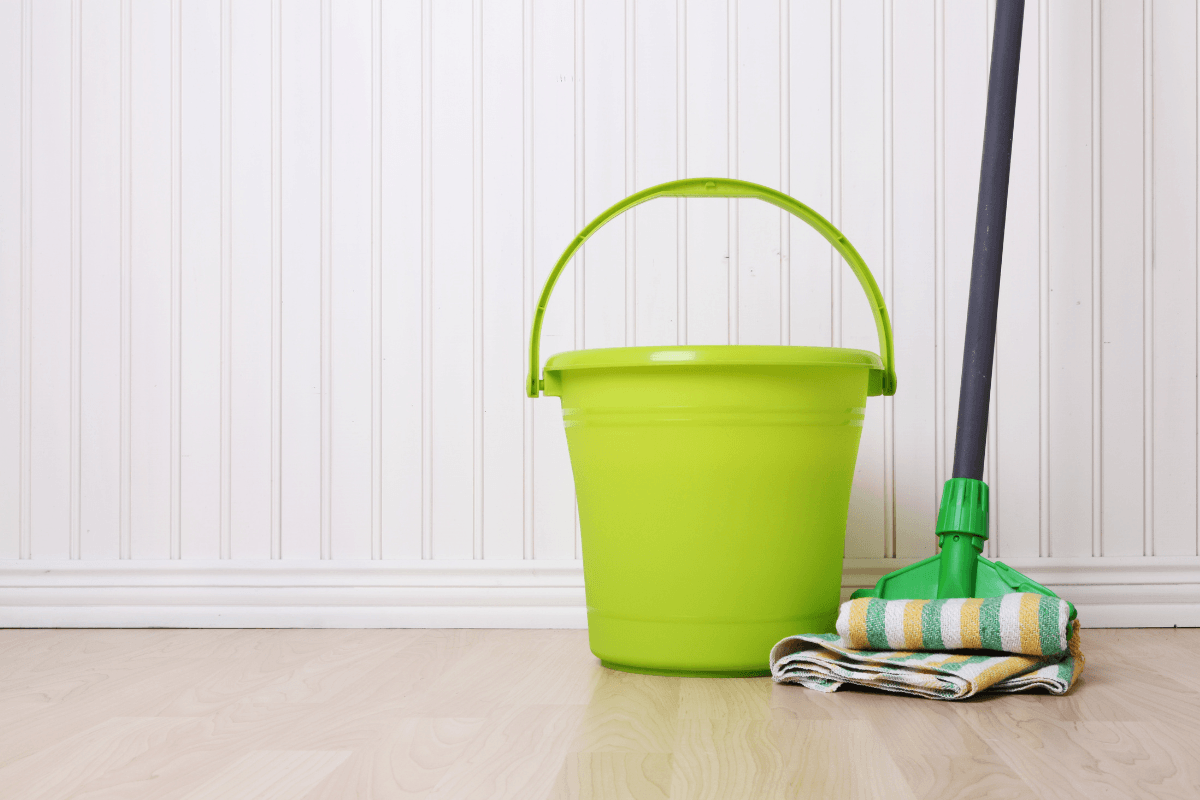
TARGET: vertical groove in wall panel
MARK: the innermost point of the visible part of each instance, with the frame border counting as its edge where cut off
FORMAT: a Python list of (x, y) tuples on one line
[(51, 282), (377, 279), (126, 159), (810, 260), (12, 317), (732, 116), (941, 449), (527, 273), (226, 465), (1070, 295), (403, 277), (1196, 268), (1044, 546), (785, 171), (453, 270), (655, 160), (176, 513), (1148, 274), (578, 266), (1172, 221), (862, 217), (351, 253), (681, 286), (477, 295), (888, 276), (707, 153), (630, 51), (200, 314), (554, 199), (835, 188), (1097, 299), (911, 297), (605, 114), (427, 278), (326, 280), (26, 287), (966, 84), (150, 286), (1016, 465), (76, 266), (299, 208), (14, 143), (276, 279), (758, 153), (580, 170), (401, 303), (26, 380), (504, 296)]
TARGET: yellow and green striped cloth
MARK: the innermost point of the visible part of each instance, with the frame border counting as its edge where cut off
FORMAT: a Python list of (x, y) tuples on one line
[(944, 649)]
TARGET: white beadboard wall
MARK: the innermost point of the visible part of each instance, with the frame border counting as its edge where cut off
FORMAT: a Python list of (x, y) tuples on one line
[(267, 269)]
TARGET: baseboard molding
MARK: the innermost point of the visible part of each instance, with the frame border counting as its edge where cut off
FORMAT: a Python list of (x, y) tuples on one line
[(1109, 592)]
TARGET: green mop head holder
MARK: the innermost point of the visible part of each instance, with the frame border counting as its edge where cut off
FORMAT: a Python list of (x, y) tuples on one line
[(959, 570)]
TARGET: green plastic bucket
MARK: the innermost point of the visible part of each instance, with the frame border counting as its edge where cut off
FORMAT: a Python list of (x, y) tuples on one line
[(713, 482)]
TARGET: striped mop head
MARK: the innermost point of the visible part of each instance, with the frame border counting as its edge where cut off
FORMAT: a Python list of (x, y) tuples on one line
[(1024, 623)]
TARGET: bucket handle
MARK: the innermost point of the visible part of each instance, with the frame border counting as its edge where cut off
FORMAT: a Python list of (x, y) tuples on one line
[(728, 187)]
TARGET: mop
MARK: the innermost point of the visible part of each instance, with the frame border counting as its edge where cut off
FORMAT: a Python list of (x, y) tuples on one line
[(957, 623)]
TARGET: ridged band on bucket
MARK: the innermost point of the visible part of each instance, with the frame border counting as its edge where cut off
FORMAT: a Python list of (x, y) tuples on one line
[(684, 416)]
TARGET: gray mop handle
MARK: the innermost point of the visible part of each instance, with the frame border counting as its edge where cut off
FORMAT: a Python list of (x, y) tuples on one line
[(980, 344)]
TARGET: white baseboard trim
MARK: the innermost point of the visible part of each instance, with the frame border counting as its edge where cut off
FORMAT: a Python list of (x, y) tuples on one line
[(1159, 591), (292, 594)]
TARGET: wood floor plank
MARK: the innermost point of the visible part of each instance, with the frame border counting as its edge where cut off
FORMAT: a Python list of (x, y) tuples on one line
[(1121, 688), (269, 775), (518, 754), (121, 757), (602, 776), (1169, 649), (406, 765), (629, 713), (728, 698), (939, 754), (1094, 760), (266, 671), (412, 678), (74, 703), (723, 759), (484, 673), (558, 669)]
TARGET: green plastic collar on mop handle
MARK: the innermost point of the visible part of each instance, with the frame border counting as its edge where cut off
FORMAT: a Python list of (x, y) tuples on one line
[(725, 187)]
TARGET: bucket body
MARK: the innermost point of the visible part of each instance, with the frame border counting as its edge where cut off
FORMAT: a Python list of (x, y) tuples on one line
[(713, 498), (713, 482)]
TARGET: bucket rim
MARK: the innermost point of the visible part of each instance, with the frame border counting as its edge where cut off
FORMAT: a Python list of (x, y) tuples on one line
[(713, 355)]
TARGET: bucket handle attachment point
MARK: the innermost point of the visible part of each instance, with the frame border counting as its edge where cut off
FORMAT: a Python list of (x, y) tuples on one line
[(726, 187)]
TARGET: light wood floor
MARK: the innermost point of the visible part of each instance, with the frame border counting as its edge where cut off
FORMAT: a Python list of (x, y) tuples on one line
[(324, 714)]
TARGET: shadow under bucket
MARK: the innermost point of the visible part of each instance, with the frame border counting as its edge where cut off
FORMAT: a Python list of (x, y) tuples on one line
[(713, 482)]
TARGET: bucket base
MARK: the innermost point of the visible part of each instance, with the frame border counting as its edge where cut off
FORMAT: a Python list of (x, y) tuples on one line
[(688, 673)]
